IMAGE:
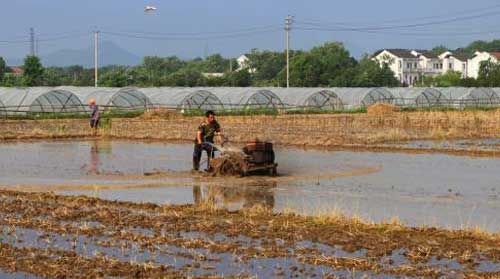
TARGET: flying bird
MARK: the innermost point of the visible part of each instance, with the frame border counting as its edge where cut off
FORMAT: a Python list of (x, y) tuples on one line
[(149, 8)]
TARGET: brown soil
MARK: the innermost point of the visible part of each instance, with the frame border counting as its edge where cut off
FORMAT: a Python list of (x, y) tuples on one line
[(327, 130), (118, 221)]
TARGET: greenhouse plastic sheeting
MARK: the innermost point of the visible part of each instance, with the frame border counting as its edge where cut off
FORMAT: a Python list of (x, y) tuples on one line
[(309, 98), (357, 97), (419, 97), (39, 99), (247, 97), (119, 98), (184, 98), (471, 97)]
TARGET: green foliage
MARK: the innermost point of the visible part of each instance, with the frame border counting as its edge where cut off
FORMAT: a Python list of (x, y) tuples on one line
[(489, 74), (33, 71), (482, 46), (327, 65), (267, 64), (439, 50), (116, 77), (3, 69), (449, 79), (371, 74)]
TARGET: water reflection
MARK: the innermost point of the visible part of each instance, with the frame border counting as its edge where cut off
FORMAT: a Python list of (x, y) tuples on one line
[(97, 148), (236, 197)]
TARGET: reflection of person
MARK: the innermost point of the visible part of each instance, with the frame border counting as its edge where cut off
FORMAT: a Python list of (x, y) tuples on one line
[(204, 137), (94, 158), (94, 114)]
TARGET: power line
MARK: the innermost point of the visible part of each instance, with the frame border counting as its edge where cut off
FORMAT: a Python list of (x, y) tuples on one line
[(468, 11), (186, 38), (226, 32), (378, 28), (414, 34)]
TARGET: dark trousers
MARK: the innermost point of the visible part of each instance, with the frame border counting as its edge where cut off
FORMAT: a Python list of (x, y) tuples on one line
[(94, 123), (198, 150)]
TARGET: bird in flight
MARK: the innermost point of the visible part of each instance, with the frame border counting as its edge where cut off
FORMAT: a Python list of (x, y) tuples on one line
[(149, 8)]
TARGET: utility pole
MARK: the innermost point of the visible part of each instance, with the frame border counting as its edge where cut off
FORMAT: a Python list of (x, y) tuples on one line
[(230, 64), (32, 41), (288, 24), (96, 33)]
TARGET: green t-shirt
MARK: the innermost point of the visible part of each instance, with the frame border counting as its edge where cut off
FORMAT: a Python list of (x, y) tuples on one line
[(208, 131)]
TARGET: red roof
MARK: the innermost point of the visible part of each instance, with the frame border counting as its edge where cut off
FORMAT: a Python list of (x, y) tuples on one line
[(496, 54), (17, 70)]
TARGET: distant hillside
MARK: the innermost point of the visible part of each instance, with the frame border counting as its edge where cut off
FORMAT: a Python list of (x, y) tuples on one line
[(109, 54)]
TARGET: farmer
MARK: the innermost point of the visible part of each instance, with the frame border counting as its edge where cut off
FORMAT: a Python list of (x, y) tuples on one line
[(94, 114), (205, 137)]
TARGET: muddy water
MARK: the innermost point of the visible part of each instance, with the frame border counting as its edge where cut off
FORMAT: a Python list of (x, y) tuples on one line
[(418, 189)]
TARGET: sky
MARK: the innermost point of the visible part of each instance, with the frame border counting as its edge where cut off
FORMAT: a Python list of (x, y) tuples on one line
[(192, 28)]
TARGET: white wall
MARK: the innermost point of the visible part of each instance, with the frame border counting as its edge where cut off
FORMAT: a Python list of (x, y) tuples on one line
[(475, 63)]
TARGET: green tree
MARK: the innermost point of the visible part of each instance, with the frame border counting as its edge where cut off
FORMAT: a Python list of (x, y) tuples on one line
[(327, 65), (370, 73), (489, 74), (53, 77), (267, 64), (439, 50), (239, 78), (117, 76), (185, 77), (3, 69), (33, 71)]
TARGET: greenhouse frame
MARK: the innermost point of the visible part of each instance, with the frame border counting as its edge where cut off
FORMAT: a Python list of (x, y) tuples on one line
[(126, 98), (183, 98), (471, 97), (247, 98), (419, 97), (361, 97), (39, 99), (309, 98)]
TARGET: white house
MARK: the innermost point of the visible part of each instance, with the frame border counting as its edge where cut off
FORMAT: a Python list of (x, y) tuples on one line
[(243, 63), (474, 63), (455, 62), (409, 66), (402, 62)]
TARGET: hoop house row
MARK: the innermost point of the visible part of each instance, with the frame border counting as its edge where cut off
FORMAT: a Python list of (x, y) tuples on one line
[(75, 99)]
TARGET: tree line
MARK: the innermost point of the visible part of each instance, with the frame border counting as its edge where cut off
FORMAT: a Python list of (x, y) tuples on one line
[(328, 65)]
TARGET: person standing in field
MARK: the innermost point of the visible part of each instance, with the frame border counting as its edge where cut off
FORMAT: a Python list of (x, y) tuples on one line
[(205, 137), (94, 114)]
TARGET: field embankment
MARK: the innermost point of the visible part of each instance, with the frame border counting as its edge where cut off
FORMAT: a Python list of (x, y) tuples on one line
[(326, 130)]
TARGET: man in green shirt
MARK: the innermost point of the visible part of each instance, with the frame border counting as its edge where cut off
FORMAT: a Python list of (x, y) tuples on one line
[(206, 132)]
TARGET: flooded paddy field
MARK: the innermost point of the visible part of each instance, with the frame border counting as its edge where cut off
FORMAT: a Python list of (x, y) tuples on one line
[(360, 214), (419, 189)]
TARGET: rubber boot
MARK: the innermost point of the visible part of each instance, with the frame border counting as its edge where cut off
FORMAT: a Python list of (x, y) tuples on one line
[(196, 164)]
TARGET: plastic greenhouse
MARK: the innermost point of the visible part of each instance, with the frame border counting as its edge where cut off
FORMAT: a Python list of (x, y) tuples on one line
[(39, 99), (471, 97), (183, 98), (247, 98), (353, 98), (309, 98), (116, 98), (419, 97)]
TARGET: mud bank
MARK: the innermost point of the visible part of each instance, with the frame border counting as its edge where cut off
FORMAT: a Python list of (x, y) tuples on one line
[(305, 130)]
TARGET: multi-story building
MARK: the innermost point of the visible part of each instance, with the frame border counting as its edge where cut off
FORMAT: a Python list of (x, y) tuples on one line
[(409, 66), (455, 62)]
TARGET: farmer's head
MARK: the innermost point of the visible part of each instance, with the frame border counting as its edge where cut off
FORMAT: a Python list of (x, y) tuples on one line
[(210, 116), (91, 102)]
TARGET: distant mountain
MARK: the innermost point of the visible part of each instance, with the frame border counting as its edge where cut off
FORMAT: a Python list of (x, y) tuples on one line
[(109, 54)]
